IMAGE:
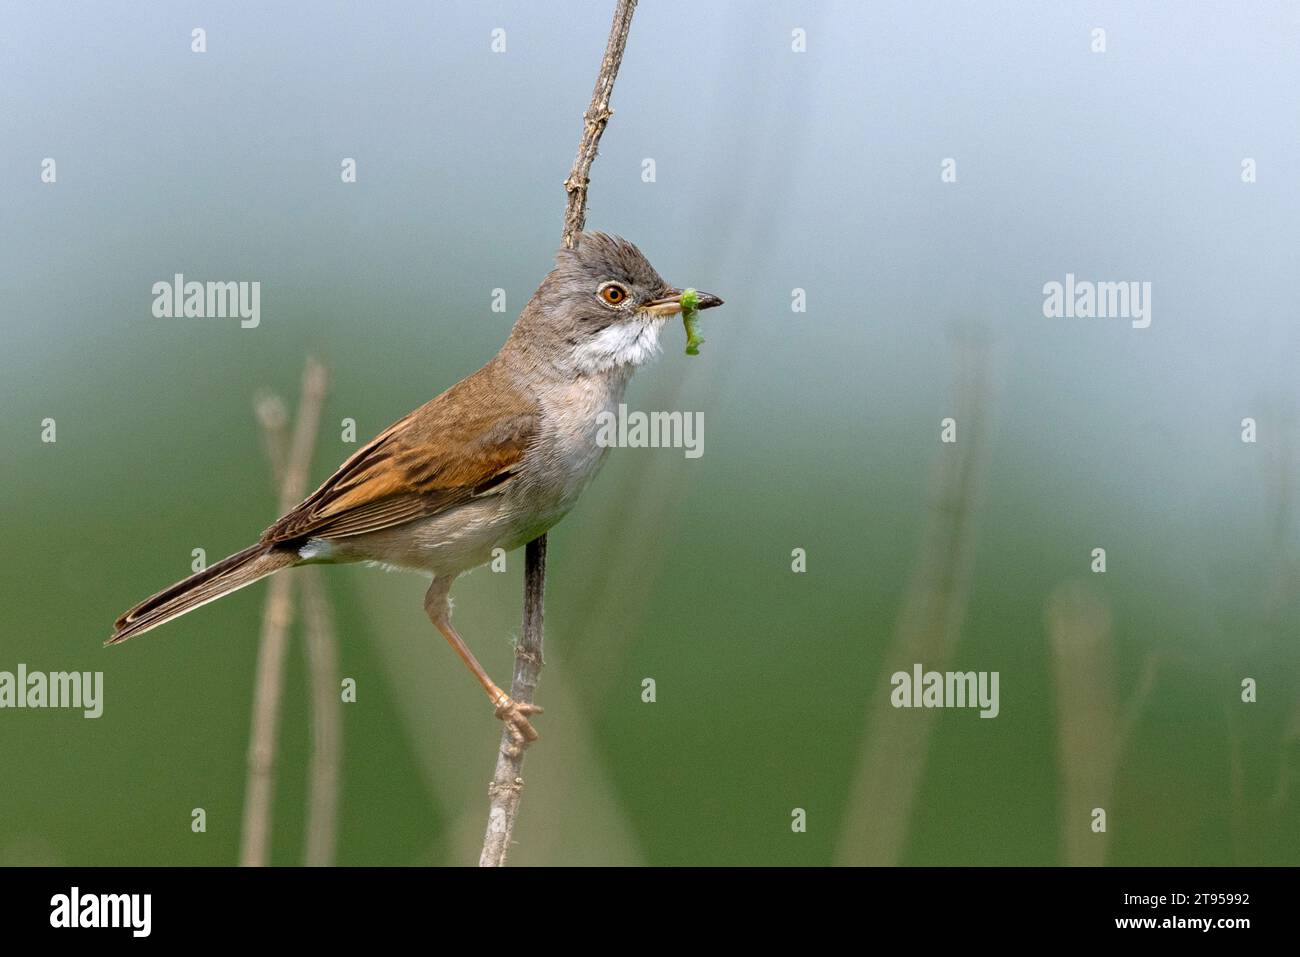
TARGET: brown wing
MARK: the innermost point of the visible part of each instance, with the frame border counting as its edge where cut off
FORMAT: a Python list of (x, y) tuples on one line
[(465, 443)]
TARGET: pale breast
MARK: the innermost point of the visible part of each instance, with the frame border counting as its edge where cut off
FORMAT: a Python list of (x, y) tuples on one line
[(569, 457)]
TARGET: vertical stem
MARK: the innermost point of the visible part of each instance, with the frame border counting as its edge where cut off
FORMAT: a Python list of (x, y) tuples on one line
[(594, 121), (326, 721), (1088, 717), (260, 789), (506, 788), (277, 616)]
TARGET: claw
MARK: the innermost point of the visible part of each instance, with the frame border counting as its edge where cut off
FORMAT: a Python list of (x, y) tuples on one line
[(515, 715)]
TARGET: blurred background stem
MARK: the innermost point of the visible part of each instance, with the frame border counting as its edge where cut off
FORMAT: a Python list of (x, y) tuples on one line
[(290, 466)]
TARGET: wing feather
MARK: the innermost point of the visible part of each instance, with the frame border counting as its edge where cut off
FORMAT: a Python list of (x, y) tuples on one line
[(468, 442)]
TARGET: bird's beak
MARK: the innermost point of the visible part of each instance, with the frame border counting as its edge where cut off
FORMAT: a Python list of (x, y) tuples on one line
[(670, 304)]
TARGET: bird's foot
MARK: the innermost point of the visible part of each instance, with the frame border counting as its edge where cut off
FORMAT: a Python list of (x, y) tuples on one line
[(515, 715)]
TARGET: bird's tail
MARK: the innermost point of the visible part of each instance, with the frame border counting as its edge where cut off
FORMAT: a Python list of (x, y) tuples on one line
[(229, 574)]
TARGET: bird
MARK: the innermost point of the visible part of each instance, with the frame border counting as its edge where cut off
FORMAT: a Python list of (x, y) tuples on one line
[(493, 462)]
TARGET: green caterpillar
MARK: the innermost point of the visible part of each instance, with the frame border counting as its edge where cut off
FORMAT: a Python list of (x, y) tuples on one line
[(691, 316)]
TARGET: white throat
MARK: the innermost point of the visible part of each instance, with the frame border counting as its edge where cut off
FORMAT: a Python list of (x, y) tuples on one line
[(622, 344)]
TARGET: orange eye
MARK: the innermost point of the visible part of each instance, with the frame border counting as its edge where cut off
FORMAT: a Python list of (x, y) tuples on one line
[(613, 294)]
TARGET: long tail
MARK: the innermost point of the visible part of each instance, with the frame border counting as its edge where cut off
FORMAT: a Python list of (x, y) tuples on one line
[(229, 574)]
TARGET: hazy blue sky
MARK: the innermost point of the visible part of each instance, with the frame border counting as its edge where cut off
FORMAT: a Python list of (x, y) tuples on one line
[(774, 170)]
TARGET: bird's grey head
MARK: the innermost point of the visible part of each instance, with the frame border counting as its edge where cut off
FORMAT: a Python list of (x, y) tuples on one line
[(601, 307)]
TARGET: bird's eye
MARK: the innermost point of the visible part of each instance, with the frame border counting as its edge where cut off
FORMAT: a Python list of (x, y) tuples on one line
[(612, 294)]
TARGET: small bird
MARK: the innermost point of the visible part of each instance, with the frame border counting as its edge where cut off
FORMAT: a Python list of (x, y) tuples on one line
[(493, 462)]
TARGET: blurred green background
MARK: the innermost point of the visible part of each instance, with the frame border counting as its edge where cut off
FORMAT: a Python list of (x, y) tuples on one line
[(775, 170)]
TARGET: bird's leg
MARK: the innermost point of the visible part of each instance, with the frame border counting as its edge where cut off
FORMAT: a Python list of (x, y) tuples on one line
[(513, 713)]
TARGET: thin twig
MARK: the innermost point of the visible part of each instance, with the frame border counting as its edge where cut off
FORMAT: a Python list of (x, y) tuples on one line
[(326, 721), (593, 125), (276, 618), (505, 791), (322, 667)]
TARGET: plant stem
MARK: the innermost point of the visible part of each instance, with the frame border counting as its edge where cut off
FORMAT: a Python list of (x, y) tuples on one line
[(277, 614), (506, 789)]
